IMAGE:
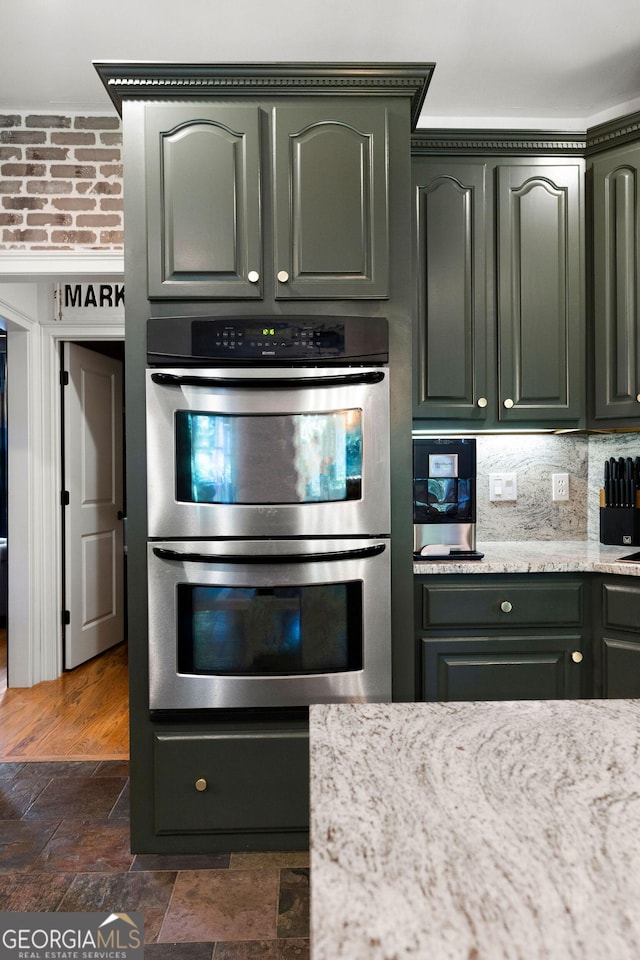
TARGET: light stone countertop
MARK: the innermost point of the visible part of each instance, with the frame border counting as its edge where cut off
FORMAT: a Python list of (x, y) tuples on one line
[(538, 556), (476, 831)]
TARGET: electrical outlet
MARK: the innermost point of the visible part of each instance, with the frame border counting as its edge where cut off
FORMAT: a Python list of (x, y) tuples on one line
[(560, 486)]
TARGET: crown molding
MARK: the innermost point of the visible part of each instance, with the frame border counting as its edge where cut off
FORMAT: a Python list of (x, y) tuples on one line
[(513, 142), (141, 80), (613, 133)]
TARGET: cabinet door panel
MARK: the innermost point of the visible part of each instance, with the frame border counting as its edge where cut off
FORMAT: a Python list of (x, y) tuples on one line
[(203, 201), (616, 228), (620, 668), (540, 319), (451, 328), (621, 606), (331, 202), (501, 668), (231, 782)]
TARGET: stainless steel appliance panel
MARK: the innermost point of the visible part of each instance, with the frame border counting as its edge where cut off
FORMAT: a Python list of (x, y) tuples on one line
[(265, 566), (274, 425)]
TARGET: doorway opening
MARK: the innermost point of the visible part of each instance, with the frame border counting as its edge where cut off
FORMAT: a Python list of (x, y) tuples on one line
[(83, 713), (93, 499)]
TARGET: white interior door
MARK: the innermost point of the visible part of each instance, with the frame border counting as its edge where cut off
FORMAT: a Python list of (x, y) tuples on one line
[(93, 524)]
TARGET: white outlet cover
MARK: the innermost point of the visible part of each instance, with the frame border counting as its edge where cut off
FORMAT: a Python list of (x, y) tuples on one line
[(560, 486), (503, 486)]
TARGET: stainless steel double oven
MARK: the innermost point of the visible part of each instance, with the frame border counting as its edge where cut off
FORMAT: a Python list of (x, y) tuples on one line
[(268, 511)]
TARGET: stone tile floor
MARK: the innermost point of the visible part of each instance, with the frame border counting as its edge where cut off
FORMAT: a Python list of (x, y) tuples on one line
[(64, 846)]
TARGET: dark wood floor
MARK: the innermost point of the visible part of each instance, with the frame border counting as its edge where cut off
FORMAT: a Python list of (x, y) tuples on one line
[(83, 715)]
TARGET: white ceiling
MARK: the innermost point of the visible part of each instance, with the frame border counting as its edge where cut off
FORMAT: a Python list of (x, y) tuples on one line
[(555, 64)]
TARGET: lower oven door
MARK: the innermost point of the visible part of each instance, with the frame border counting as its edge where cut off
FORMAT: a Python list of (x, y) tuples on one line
[(268, 623)]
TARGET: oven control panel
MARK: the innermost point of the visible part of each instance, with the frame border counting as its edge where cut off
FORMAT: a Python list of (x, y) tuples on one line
[(263, 340)]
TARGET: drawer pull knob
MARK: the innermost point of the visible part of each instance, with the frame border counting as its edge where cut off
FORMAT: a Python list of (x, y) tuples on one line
[(506, 607), (283, 276), (200, 784), (508, 403), (253, 276), (482, 402), (577, 657)]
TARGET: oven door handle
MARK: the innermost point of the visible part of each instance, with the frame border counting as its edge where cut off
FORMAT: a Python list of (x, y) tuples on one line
[(361, 553), (339, 380)]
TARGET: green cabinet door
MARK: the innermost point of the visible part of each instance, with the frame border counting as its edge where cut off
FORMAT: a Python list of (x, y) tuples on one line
[(231, 782), (331, 203), (615, 178), (617, 642), (502, 668), (451, 336), (540, 301), (203, 201)]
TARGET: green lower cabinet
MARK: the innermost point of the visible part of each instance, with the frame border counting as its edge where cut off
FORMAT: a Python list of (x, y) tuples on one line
[(497, 637), (234, 784), (502, 668), (620, 660), (617, 644)]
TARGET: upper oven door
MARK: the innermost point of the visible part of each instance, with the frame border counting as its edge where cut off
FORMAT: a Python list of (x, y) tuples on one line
[(268, 453)]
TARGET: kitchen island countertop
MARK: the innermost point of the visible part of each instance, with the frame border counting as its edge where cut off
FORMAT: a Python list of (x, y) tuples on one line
[(476, 831), (538, 556)]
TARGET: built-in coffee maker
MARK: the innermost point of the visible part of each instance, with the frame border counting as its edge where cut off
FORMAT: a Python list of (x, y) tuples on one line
[(444, 498)]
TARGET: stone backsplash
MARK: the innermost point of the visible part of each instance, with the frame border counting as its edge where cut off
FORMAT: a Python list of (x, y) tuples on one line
[(534, 458)]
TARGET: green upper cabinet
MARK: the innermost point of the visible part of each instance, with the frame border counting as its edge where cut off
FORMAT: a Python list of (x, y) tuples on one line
[(452, 338), (540, 280), (615, 180), (499, 249), (211, 202), (331, 201), (203, 201)]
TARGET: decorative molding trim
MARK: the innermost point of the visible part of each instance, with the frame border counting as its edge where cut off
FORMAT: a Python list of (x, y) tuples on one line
[(538, 142), (26, 266), (159, 81), (613, 133)]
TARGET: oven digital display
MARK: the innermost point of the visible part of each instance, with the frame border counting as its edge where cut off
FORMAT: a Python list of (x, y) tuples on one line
[(246, 339), (267, 631), (268, 459)]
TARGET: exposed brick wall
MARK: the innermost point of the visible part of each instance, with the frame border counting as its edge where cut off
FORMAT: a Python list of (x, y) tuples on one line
[(60, 182)]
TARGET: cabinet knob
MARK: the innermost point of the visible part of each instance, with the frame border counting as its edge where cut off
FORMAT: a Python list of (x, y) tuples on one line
[(283, 276), (506, 606), (253, 276), (577, 657), (482, 402), (200, 784), (638, 397), (508, 403)]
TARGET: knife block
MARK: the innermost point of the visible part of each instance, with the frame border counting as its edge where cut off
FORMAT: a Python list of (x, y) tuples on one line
[(620, 525)]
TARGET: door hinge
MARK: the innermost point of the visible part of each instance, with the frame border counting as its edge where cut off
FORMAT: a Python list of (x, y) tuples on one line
[(64, 378), (66, 618), (64, 498)]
